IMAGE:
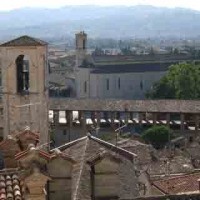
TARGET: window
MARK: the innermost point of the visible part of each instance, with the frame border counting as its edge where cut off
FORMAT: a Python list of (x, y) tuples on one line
[(22, 65), (141, 85), (2, 166), (85, 86), (64, 132), (119, 83), (84, 44), (107, 84)]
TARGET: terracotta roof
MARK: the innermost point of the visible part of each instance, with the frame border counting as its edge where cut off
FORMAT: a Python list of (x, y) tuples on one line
[(31, 134), (24, 41), (9, 148), (8, 142), (10, 186), (164, 106), (169, 197), (41, 153), (179, 184)]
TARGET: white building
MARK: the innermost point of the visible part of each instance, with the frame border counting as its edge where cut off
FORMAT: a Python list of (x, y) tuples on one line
[(114, 80)]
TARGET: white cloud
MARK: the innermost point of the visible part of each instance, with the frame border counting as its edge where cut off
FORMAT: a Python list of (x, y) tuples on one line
[(12, 4)]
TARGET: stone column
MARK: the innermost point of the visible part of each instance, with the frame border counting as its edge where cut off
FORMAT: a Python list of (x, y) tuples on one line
[(126, 117), (154, 118), (168, 119), (92, 114), (182, 117), (140, 119), (131, 115), (196, 123), (83, 121), (113, 116), (98, 115), (56, 117), (69, 116)]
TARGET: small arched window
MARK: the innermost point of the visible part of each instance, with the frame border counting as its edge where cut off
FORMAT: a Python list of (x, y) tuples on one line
[(141, 85), (107, 84), (84, 44), (119, 83), (2, 165), (22, 64), (85, 86)]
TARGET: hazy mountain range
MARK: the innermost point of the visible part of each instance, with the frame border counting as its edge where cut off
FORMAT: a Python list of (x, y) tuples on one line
[(109, 22)]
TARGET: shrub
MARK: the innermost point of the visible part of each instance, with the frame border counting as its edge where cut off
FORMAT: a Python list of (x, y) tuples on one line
[(158, 136)]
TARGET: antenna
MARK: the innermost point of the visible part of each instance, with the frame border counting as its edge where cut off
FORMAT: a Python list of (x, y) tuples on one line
[(26, 105), (118, 131)]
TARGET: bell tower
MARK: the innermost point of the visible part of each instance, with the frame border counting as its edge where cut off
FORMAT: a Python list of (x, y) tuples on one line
[(25, 86), (81, 47)]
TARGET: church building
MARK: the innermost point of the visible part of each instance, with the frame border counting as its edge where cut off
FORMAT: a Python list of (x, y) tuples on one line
[(112, 77)]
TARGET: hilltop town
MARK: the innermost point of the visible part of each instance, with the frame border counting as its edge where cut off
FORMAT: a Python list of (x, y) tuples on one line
[(76, 125)]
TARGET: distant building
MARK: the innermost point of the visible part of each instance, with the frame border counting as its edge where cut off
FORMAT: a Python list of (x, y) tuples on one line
[(114, 78), (85, 169)]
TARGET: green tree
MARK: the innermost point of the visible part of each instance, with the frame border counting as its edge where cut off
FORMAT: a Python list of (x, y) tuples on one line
[(181, 82), (158, 136)]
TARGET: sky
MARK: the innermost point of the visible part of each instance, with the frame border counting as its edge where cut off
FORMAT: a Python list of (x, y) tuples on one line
[(15, 4)]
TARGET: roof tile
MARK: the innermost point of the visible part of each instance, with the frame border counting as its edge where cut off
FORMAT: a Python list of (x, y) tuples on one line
[(24, 41), (178, 184)]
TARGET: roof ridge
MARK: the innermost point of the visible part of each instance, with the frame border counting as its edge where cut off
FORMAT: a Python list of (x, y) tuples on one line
[(81, 168), (24, 40), (120, 150), (102, 155), (178, 176), (64, 156), (69, 144)]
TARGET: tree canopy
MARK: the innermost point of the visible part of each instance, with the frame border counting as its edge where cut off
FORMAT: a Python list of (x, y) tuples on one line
[(181, 82), (158, 136)]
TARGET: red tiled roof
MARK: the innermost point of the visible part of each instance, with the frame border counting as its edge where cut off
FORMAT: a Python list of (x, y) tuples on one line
[(29, 133), (42, 153), (7, 142), (9, 148), (10, 186), (179, 184)]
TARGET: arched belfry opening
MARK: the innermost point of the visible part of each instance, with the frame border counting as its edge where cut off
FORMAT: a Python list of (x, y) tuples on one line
[(84, 43), (22, 69)]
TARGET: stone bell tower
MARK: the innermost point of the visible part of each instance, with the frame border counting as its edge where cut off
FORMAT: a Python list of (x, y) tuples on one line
[(81, 47), (25, 86)]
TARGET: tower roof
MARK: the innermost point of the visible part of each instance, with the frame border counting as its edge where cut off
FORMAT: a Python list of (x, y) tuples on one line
[(81, 33), (24, 41)]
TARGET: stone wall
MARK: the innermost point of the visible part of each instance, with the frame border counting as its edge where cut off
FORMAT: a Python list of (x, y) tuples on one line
[(17, 113)]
